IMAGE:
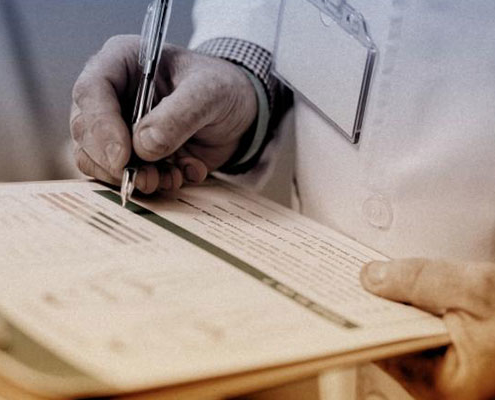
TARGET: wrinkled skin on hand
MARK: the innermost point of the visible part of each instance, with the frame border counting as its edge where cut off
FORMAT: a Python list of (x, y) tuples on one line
[(203, 106), (463, 294)]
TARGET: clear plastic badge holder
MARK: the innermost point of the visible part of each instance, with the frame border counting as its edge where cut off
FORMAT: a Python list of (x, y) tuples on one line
[(326, 55)]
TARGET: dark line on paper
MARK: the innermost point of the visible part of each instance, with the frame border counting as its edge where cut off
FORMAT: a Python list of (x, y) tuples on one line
[(198, 241), (54, 201)]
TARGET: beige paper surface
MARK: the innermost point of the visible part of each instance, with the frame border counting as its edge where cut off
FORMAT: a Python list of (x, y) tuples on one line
[(213, 282)]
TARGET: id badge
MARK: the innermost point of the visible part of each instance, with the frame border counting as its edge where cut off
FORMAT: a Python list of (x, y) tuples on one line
[(324, 53)]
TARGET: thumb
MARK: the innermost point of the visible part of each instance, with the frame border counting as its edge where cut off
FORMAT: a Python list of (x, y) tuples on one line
[(431, 285), (174, 120)]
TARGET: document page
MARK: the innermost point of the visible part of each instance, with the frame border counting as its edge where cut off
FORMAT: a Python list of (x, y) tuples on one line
[(212, 281)]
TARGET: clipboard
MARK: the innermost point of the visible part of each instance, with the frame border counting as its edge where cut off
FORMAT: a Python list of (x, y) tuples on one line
[(325, 54), (30, 372)]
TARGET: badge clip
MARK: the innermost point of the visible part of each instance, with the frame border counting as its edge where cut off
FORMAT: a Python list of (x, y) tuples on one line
[(325, 54)]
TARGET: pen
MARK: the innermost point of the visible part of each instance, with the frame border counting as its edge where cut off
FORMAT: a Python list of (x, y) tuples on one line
[(152, 37)]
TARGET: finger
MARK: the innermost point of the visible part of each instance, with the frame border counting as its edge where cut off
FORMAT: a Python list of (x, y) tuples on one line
[(153, 177), (174, 120), (171, 179), (115, 67), (193, 170), (417, 373), (96, 121), (88, 167), (147, 179), (104, 137), (432, 285)]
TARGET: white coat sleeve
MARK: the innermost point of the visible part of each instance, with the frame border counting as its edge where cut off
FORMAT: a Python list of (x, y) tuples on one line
[(251, 20)]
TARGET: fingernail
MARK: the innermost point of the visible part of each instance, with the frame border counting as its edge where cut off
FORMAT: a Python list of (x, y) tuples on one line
[(191, 173), (376, 272), (177, 179), (151, 140), (166, 181), (113, 151), (141, 179)]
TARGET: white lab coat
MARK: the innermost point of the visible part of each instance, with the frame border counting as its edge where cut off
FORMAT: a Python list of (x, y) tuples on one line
[(422, 181)]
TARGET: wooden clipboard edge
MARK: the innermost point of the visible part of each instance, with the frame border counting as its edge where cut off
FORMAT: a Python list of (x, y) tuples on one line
[(28, 377), (248, 382), (239, 384)]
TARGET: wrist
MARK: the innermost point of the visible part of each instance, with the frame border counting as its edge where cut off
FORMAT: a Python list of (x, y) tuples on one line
[(255, 62), (252, 140), (250, 56)]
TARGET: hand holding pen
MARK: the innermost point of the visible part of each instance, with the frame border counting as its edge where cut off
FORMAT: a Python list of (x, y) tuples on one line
[(152, 37), (203, 106)]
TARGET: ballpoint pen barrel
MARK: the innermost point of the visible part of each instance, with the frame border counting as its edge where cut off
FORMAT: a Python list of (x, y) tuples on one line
[(148, 59), (143, 98), (142, 107)]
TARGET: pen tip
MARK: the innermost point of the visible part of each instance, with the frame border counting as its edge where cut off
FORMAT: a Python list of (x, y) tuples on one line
[(128, 183)]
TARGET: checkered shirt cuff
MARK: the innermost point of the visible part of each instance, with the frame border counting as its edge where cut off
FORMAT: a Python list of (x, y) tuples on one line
[(254, 58)]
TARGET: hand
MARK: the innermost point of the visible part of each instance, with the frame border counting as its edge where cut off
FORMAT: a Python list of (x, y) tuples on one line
[(464, 295), (204, 105)]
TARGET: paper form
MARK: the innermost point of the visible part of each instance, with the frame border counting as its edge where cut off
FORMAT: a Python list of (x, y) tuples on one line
[(211, 282)]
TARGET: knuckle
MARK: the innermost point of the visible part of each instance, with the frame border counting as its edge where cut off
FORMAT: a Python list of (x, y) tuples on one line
[(84, 163), (114, 41), (102, 126), (174, 66), (77, 127), (175, 55), (119, 41), (81, 90)]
